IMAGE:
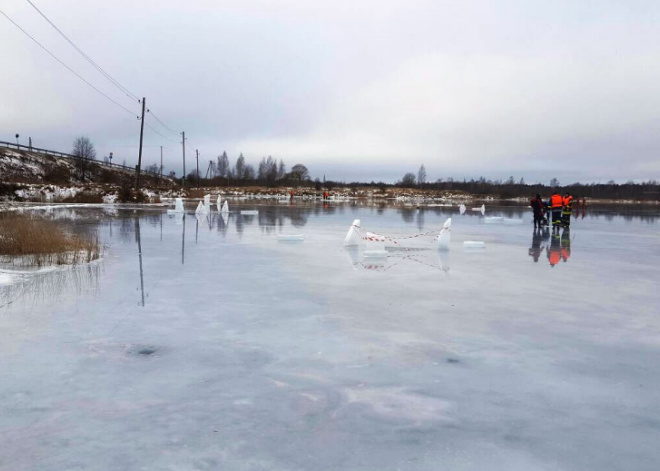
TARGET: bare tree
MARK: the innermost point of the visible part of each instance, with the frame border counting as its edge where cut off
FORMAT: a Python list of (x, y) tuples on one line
[(408, 180), (84, 151), (223, 165), (554, 183), (240, 167), (248, 173), (299, 172), (281, 170), (421, 176)]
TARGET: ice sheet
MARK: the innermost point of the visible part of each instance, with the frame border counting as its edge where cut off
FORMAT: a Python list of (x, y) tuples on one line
[(209, 345)]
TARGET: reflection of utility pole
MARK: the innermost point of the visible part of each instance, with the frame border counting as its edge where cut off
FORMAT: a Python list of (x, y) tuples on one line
[(183, 241), (139, 242), (196, 228)]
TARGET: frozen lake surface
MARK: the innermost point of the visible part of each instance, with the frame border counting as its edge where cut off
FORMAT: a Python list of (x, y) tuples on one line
[(209, 344)]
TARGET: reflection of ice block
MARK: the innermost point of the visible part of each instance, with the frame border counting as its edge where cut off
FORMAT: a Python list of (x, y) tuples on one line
[(443, 258), (353, 236), (174, 212), (375, 245), (201, 209), (178, 207), (207, 201), (225, 207), (462, 208), (291, 237), (513, 221), (493, 220), (445, 236), (218, 203), (474, 245)]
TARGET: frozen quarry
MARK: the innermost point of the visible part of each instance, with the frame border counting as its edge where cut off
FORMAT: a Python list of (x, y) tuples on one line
[(202, 341)]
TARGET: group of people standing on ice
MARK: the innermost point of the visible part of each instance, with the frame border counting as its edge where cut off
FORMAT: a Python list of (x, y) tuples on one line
[(559, 207)]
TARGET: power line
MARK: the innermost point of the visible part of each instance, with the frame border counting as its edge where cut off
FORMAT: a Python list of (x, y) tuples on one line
[(161, 135), (69, 68), (123, 89), (164, 125)]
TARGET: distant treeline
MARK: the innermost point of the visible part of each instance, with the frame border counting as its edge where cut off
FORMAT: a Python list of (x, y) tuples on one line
[(273, 173)]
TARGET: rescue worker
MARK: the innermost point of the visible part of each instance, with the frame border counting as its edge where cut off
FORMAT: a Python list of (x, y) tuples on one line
[(556, 204), (567, 209), (537, 205)]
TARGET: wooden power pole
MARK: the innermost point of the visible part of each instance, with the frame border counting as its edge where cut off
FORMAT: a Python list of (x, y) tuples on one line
[(137, 169), (197, 152), (183, 143)]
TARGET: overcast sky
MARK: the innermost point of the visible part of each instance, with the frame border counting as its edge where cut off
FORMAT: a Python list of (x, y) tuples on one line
[(358, 90)]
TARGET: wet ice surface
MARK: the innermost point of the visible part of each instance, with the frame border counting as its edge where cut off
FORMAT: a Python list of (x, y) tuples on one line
[(205, 344)]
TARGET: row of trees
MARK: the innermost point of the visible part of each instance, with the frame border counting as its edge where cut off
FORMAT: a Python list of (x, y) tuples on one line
[(269, 172), (511, 188)]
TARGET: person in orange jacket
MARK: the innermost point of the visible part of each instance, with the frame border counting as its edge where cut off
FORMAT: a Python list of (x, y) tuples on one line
[(556, 204), (567, 209)]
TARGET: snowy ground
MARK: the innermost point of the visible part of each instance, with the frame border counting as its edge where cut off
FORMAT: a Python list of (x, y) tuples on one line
[(206, 343)]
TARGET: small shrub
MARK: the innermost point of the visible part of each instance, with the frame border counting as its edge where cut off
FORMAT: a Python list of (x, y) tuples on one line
[(127, 194), (84, 197), (56, 174), (9, 189)]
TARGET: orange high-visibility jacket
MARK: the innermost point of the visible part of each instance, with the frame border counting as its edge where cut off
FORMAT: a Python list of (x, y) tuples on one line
[(556, 201)]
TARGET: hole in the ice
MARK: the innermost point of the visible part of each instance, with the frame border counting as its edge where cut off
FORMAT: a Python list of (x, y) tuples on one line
[(453, 360), (147, 351), (143, 350)]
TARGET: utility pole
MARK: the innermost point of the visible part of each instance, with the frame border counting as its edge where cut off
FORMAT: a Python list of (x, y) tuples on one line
[(197, 152), (183, 143), (161, 161), (137, 180)]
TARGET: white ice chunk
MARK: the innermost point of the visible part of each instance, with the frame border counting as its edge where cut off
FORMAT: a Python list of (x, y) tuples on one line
[(445, 235), (483, 209), (250, 212), (462, 208), (353, 236), (178, 206), (207, 201), (512, 221), (219, 203), (493, 220), (474, 244), (201, 209)]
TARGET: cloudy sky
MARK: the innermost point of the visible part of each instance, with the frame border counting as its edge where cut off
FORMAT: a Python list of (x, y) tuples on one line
[(358, 90)]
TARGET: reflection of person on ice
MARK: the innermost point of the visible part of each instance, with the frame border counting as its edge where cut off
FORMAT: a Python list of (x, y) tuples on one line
[(536, 249), (566, 244), (554, 251)]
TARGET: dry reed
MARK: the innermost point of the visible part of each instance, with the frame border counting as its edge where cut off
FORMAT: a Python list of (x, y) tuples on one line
[(28, 240)]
